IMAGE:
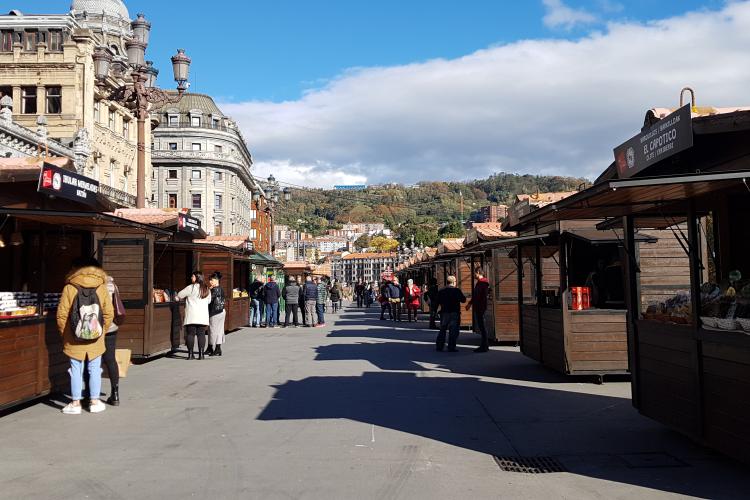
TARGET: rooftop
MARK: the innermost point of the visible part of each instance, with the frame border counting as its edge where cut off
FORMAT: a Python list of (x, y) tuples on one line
[(370, 255), (190, 101), (151, 216)]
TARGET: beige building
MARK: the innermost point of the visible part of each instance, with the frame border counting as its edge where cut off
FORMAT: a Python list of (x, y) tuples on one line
[(46, 66)]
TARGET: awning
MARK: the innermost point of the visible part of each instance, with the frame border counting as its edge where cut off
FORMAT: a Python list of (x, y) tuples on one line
[(605, 237), (263, 259), (656, 196), (201, 247), (83, 221)]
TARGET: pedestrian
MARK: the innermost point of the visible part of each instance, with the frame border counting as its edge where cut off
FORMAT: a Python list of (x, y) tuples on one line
[(311, 299), (335, 293), (368, 295), (271, 295), (412, 299), (396, 296), (217, 315), (431, 295), (385, 301), (256, 313), (301, 302), (449, 301), (479, 301), (320, 305), (110, 342), (359, 292), (84, 315), (197, 297), (291, 297)]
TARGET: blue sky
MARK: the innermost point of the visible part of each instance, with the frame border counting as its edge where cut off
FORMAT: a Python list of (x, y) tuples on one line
[(276, 50)]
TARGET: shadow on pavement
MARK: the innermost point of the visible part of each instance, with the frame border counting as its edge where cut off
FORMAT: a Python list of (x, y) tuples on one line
[(586, 432)]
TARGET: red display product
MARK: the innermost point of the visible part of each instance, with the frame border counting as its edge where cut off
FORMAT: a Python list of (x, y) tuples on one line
[(581, 297)]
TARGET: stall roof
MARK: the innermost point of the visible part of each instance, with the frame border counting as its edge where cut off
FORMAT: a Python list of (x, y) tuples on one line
[(199, 246), (602, 237), (648, 195), (226, 241), (86, 221)]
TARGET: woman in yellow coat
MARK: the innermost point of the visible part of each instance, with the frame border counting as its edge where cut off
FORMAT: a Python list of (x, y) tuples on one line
[(86, 274)]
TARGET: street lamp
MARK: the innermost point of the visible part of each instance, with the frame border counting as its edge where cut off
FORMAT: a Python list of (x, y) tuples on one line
[(142, 93)]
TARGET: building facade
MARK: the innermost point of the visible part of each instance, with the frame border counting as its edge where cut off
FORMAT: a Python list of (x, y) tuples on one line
[(48, 70), (366, 267), (201, 162), (491, 213)]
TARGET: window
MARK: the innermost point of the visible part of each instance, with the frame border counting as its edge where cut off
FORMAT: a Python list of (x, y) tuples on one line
[(112, 168), (217, 148), (172, 200), (29, 40), (195, 174), (196, 146), (6, 91), (217, 202), (215, 122), (126, 129), (28, 100), (218, 176), (55, 41), (172, 174), (173, 146), (6, 41), (174, 120), (195, 121), (253, 214), (54, 100), (112, 117), (196, 201), (253, 234), (97, 111), (217, 229)]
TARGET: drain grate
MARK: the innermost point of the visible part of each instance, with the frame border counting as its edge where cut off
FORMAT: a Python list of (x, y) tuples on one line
[(529, 465)]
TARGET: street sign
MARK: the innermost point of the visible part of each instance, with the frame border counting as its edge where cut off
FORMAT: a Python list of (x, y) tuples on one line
[(188, 224), (62, 183), (667, 137)]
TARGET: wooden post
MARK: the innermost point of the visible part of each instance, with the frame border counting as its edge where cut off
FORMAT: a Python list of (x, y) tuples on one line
[(633, 301), (695, 301)]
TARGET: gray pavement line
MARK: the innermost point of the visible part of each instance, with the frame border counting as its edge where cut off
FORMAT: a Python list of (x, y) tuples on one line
[(497, 424)]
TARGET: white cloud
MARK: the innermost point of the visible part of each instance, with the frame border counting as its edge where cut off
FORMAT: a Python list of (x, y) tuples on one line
[(536, 106), (559, 15)]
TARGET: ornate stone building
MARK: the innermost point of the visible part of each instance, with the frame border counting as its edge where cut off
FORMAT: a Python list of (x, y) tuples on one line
[(46, 67), (201, 162)]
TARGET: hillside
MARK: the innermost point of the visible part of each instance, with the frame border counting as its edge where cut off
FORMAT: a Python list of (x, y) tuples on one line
[(408, 210)]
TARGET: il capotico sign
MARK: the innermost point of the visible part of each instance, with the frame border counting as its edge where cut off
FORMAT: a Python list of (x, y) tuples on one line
[(667, 137)]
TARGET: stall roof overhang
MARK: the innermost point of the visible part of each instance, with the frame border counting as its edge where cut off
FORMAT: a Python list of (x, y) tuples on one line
[(648, 195), (206, 247), (84, 221), (605, 237)]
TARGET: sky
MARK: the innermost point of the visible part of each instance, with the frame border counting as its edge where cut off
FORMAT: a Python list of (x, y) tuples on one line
[(341, 92)]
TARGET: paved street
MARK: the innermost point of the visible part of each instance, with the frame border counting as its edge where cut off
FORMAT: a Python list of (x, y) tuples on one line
[(358, 409)]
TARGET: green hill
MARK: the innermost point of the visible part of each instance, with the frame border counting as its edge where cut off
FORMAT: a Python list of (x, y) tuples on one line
[(420, 210)]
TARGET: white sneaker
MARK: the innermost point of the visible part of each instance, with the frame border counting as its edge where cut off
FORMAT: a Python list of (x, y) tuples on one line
[(97, 406), (72, 410)]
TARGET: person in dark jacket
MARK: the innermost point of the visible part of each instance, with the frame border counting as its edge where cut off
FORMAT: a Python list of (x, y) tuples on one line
[(449, 300), (385, 301), (359, 293), (479, 301), (291, 294), (271, 295), (396, 294), (335, 294), (256, 311), (216, 316), (310, 291)]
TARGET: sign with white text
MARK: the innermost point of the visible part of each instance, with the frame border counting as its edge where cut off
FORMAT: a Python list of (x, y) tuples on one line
[(62, 183)]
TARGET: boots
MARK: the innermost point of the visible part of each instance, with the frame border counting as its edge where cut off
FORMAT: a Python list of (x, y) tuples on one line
[(191, 355), (217, 351), (209, 351), (201, 355), (114, 397)]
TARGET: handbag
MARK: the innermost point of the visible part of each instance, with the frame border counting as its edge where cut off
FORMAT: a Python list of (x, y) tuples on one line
[(119, 307)]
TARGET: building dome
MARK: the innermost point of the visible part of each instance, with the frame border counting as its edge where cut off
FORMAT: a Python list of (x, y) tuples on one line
[(113, 8)]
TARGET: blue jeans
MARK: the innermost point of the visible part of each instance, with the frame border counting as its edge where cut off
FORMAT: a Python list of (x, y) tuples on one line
[(321, 310), (272, 313), (76, 378), (254, 312)]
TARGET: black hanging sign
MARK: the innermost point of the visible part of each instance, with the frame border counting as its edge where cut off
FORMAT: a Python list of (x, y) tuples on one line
[(62, 183), (667, 137), (188, 224)]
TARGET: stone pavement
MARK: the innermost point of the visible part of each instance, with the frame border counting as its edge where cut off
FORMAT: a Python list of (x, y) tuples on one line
[(359, 409)]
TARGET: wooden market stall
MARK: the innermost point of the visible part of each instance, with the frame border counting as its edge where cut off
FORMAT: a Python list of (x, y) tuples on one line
[(449, 261), (690, 353)]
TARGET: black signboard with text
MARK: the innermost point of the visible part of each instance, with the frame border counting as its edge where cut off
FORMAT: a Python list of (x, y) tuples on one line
[(62, 183), (667, 137), (188, 224)]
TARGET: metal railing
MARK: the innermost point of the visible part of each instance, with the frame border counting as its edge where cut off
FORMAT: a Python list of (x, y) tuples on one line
[(205, 124), (125, 200)]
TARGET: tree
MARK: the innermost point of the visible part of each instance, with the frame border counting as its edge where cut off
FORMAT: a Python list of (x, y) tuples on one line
[(363, 242), (452, 230), (383, 244)]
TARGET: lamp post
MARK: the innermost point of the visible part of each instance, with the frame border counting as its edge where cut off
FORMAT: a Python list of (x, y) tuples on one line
[(140, 94)]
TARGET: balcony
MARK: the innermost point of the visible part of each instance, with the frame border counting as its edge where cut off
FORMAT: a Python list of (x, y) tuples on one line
[(188, 124), (119, 198)]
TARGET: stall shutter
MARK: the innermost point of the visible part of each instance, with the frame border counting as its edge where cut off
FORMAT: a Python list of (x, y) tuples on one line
[(127, 262)]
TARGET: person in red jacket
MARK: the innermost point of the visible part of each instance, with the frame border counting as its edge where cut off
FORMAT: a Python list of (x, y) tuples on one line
[(412, 296), (479, 301)]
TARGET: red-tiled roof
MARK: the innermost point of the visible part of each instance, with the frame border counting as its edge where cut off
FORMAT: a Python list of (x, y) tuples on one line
[(492, 231), (225, 240), (152, 216), (545, 198), (369, 255), (450, 245)]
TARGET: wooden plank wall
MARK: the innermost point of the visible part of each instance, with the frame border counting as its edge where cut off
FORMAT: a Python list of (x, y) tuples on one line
[(505, 295), (666, 379), (597, 342), (530, 334), (553, 344), (463, 265), (20, 361), (664, 267), (726, 383)]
